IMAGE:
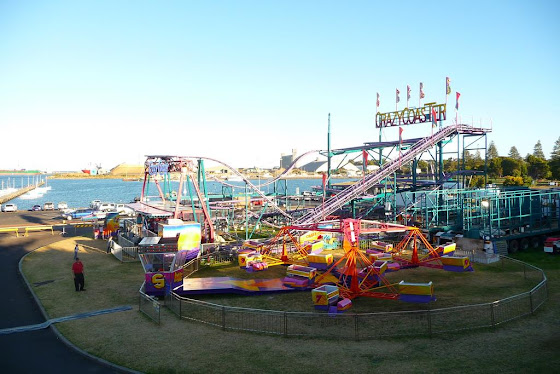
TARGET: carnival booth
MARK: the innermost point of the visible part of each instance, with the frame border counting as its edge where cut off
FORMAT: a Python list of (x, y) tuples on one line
[(163, 257)]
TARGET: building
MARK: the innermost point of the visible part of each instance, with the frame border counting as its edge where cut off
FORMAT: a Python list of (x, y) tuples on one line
[(287, 160)]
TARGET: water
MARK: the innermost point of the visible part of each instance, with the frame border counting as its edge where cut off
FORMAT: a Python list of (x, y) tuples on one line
[(80, 192)]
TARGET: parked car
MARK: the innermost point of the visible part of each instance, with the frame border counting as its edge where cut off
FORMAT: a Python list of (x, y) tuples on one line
[(62, 206), (106, 207), (9, 208), (124, 210), (48, 206), (36, 207), (78, 213)]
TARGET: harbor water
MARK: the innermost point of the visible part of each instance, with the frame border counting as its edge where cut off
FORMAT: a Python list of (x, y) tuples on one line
[(80, 192)]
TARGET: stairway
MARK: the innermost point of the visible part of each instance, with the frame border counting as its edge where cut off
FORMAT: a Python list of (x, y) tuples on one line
[(356, 190)]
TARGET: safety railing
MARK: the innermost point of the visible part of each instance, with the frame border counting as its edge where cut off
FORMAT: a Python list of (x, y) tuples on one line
[(149, 305), (370, 325), (125, 254)]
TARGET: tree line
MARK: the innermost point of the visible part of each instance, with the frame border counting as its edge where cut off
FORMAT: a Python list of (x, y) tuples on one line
[(514, 169)]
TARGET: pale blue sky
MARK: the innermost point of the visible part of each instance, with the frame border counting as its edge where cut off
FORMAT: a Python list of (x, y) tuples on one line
[(243, 81)]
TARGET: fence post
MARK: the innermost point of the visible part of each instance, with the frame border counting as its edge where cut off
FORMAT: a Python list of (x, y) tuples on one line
[(356, 329), (492, 316), (180, 308), (223, 318), (524, 272), (285, 324), (531, 301)]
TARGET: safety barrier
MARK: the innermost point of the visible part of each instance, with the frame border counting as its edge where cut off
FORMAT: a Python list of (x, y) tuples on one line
[(10, 229), (149, 305), (370, 325), (125, 254), (38, 228)]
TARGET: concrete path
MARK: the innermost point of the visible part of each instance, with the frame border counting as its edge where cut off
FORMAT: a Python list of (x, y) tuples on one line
[(33, 351)]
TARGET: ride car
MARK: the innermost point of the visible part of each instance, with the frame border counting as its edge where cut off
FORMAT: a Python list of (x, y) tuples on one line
[(9, 208)]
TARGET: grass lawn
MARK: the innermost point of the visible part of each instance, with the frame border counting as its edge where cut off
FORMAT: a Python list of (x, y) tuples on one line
[(529, 344)]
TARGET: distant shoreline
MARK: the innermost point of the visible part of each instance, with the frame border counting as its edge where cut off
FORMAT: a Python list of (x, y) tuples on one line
[(109, 176)]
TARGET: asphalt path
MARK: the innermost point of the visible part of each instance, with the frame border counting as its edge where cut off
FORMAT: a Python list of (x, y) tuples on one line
[(33, 351)]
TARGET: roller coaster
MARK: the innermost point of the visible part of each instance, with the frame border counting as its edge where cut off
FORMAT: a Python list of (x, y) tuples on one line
[(429, 204)]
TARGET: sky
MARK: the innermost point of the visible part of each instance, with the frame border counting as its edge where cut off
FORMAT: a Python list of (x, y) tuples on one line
[(106, 82)]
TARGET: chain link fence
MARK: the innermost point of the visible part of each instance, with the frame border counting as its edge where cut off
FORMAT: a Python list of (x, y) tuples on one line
[(370, 325)]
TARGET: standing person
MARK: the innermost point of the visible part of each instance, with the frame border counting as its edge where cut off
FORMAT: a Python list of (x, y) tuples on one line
[(78, 271), (109, 244), (76, 249)]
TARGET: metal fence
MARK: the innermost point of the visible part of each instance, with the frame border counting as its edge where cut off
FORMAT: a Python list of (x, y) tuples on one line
[(125, 254), (370, 325), (149, 305)]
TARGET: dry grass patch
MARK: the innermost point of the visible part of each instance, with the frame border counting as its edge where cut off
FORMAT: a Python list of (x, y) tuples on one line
[(130, 339)]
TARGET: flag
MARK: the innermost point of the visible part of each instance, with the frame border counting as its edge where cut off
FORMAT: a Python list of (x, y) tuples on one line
[(398, 98), (377, 103), (447, 85), (407, 92), (422, 90), (457, 104), (400, 135), (434, 120), (324, 180)]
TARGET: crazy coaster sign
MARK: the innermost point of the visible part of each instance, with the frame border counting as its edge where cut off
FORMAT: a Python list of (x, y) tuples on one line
[(411, 116)]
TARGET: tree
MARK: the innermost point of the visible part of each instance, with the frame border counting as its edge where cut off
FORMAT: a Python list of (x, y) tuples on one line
[(555, 154), (513, 167), (495, 167), (514, 153), (538, 152), (492, 152), (538, 167), (477, 181), (554, 166)]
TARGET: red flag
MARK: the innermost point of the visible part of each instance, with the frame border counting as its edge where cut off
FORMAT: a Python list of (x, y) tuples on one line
[(398, 98), (447, 85), (422, 90), (457, 104), (400, 135), (434, 120), (324, 180), (377, 103), (365, 156)]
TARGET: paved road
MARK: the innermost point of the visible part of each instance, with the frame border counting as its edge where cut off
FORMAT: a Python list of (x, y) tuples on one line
[(35, 351)]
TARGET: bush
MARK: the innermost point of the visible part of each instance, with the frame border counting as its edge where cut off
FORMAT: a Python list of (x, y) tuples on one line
[(513, 181)]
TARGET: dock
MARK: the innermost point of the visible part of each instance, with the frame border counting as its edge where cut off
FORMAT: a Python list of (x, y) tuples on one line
[(21, 191)]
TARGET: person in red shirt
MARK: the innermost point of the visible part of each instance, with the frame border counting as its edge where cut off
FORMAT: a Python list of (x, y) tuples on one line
[(78, 271)]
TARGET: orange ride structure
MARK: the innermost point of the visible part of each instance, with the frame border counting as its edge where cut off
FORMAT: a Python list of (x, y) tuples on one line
[(355, 273)]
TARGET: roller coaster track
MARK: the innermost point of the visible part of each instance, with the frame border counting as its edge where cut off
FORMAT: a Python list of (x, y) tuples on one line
[(357, 189), (251, 185)]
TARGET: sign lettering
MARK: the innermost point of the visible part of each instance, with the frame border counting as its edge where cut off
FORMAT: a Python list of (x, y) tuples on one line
[(410, 116)]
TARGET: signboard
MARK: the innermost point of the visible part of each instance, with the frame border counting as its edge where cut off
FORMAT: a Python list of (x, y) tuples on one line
[(158, 168), (411, 116)]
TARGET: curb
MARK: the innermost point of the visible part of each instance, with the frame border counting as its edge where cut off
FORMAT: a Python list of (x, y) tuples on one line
[(61, 337)]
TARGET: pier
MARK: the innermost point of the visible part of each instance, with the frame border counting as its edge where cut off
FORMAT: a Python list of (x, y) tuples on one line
[(21, 191)]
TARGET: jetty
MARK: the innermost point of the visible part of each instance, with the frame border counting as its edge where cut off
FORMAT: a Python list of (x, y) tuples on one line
[(17, 193)]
